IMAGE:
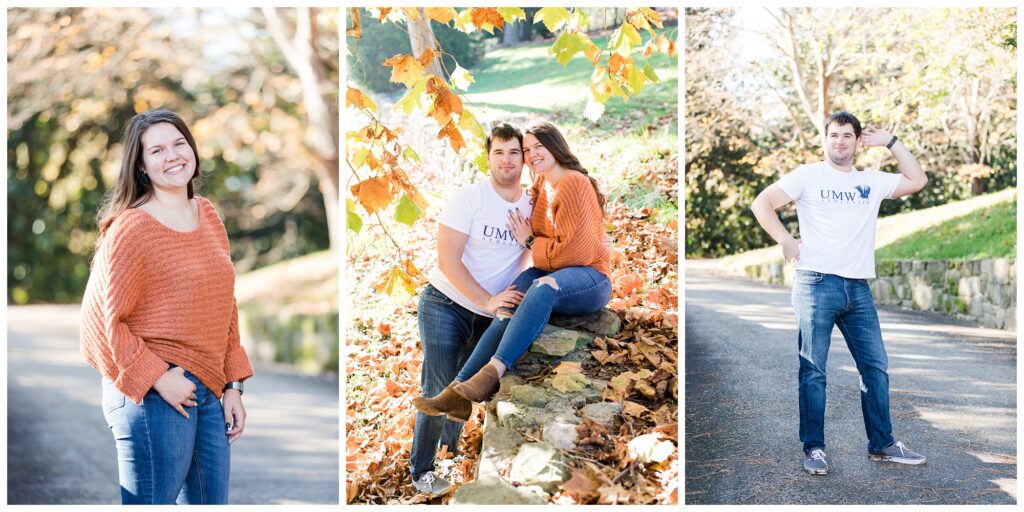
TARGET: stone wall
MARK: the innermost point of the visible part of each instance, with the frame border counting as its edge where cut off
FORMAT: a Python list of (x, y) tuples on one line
[(984, 291)]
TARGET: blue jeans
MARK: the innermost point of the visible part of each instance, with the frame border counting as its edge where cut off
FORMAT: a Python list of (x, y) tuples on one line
[(165, 458), (448, 333), (822, 301), (578, 291)]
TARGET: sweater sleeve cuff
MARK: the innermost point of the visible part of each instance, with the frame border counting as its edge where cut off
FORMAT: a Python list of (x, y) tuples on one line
[(539, 252), (138, 378), (236, 365)]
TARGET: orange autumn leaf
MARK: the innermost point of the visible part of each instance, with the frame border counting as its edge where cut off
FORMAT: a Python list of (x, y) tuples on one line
[(427, 57), (358, 98), (617, 65), (356, 30), (486, 16), (374, 193), (405, 69), (627, 284), (443, 15), (454, 136), (392, 388), (384, 11), (445, 104)]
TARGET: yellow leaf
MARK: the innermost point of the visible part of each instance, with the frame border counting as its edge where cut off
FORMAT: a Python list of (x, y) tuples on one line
[(652, 16), (511, 14), (411, 13), (443, 15), (593, 53), (552, 17), (461, 78), (405, 69), (413, 97)]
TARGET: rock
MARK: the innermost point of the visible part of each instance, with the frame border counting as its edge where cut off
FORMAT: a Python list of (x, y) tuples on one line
[(561, 435), (1011, 318), (505, 411), (508, 382), (539, 464), (923, 297), (555, 341), (495, 491), (526, 395), (561, 405), (603, 323), (604, 413), (500, 446)]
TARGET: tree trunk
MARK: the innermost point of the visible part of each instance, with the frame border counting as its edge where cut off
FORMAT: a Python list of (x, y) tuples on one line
[(297, 42), (421, 37), (510, 33)]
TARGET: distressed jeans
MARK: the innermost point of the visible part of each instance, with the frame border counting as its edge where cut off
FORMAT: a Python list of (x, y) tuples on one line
[(577, 291), (164, 457), (822, 301), (448, 333)]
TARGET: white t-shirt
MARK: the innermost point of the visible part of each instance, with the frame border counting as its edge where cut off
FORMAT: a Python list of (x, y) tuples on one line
[(492, 255), (837, 212)]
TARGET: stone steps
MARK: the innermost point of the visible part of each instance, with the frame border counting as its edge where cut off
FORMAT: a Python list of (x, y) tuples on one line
[(528, 425)]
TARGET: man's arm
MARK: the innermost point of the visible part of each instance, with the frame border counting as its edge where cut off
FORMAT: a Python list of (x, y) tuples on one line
[(764, 206), (450, 244), (914, 177)]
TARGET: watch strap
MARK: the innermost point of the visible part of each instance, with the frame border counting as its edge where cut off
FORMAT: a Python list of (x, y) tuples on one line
[(891, 142)]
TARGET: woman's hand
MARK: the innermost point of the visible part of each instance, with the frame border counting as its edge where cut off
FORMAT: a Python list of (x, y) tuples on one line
[(234, 413), (176, 389), (508, 298), (519, 226)]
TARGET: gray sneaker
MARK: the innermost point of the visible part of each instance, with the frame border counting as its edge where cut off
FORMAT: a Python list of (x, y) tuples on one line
[(431, 485), (898, 453), (815, 463)]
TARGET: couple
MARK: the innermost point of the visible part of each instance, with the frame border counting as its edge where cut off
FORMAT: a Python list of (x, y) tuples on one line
[(485, 305)]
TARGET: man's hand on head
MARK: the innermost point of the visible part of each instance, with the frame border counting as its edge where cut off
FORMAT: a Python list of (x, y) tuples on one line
[(871, 136)]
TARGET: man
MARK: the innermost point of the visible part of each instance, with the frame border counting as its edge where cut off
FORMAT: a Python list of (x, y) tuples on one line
[(837, 209), (477, 260)]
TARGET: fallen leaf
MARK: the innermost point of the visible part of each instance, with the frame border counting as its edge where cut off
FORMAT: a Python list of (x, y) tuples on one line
[(634, 409), (570, 382), (580, 487), (568, 367)]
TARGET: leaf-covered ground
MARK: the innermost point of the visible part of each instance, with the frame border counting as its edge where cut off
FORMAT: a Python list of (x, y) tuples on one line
[(382, 357)]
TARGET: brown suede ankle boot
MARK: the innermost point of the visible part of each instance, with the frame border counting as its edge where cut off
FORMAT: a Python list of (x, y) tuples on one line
[(480, 387), (448, 402)]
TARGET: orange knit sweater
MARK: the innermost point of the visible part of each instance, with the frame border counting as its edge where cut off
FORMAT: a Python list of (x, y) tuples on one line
[(157, 296), (574, 233)]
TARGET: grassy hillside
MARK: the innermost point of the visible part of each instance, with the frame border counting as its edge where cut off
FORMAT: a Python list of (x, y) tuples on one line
[(986, 233)]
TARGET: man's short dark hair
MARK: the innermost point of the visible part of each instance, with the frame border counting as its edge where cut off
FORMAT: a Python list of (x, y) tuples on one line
[(843, 117), (504, 131)]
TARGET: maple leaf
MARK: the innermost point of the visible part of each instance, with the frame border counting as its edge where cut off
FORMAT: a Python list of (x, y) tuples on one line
[(567, 45), (634, 409), (405, 69), (374, 193), (552, 17), (569, 382), (511, 14), (426, 57), (356, 30), (617, 64), (446, 102), (358, 98), (568, 367), (353, 221), (624, 39), (413, 97), (443, 15), (454, 136), (593, 53), (652, 16), (407, 212), (484, 17), (384, 11), (627, 284)]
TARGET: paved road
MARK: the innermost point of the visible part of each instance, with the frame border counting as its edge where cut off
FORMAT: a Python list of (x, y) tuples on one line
[(61, 451), (953, 398)]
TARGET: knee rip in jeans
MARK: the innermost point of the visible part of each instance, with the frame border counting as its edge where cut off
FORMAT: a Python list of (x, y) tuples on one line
[(547, 280)]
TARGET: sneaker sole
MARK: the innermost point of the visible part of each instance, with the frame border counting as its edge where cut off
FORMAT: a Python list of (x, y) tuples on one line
[(815, 471), (897, 460)]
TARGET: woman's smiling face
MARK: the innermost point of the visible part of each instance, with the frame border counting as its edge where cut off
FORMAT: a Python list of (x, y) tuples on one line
[(167, 156), (536, 155)]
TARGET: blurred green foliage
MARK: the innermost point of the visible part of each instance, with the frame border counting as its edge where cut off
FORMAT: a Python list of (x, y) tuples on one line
[(76, 76)]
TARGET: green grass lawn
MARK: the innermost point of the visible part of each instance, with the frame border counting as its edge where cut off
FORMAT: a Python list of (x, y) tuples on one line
[(985, 233), (526, 79)]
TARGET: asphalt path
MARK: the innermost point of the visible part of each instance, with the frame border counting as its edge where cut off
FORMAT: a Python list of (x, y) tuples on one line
[(60, 451), (952, 398)]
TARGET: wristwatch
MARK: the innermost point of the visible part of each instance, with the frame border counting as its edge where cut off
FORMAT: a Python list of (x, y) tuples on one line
[(529, 241), (235, 384), (891, 142)]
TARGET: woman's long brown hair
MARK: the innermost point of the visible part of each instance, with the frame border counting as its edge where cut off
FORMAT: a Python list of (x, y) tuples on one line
[(555, 143), (133, 188)]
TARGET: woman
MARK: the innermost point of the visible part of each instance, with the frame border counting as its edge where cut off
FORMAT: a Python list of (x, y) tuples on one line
[(160, 323), (571, 272)]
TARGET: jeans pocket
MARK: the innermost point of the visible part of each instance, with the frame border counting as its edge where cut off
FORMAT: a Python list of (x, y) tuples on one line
[(807, 277), (432, 295), (112, 398)]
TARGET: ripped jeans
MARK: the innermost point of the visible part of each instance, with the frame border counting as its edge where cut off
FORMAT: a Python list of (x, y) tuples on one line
[(822, 301), (568, 291)]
